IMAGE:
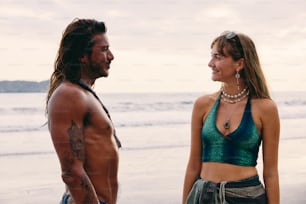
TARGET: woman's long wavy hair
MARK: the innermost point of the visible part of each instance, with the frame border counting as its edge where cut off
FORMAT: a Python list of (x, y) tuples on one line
[(252, 73), (75, 43)]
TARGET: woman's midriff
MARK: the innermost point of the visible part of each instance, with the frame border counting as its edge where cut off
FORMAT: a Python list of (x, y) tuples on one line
[(217, 172)]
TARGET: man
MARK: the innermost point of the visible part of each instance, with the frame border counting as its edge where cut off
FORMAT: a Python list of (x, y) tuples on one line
[(80, 126)]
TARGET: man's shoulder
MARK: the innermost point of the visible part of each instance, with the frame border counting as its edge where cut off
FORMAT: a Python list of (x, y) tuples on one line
[(68, 89), (68, 94)]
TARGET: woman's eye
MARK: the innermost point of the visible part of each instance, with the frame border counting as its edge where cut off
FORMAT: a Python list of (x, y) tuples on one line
[(216, 56)]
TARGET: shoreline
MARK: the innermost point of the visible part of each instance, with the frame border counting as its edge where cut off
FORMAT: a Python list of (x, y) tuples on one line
[(145, 176), (151, 168)]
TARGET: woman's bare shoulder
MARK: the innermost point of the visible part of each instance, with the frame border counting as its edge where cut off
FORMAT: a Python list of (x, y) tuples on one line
[(265, 110), (206, 100), (264, 105), (202, 105)]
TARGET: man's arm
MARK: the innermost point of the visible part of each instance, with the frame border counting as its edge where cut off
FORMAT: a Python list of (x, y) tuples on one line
[(66, 110)]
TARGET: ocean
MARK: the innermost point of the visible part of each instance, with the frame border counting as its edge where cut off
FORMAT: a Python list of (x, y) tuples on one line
[(154, 129), (23, 129)]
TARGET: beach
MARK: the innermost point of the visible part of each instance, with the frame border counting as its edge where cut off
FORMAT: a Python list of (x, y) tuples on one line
[(149, 175), (152, 163)]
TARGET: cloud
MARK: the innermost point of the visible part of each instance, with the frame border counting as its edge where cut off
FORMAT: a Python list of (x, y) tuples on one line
[(164, 40)]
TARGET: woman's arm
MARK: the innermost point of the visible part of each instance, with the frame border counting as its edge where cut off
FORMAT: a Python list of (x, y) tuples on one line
[(270, 133), (193, 169)]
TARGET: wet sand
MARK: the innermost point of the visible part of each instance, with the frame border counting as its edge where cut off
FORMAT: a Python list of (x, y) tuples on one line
[(150, 175)]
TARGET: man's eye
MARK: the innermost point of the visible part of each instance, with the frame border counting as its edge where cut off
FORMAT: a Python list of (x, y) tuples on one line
[(104, 49)]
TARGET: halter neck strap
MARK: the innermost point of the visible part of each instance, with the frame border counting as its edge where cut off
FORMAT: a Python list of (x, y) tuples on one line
[(86, 87)]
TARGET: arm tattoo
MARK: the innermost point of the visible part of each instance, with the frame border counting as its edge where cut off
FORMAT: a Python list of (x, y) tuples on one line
[(67, 162), (76, 141), (90, 196)]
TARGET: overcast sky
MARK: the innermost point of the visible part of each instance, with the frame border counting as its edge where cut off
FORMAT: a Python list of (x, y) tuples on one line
[(159, 45)]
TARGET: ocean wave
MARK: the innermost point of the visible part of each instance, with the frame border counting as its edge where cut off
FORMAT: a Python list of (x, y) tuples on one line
[(21, 110), (146, 121), (27, 112), (155, 147), (118, 124), (125, 107), (131, 148), (15, 154), (11, 129), (149, 123)]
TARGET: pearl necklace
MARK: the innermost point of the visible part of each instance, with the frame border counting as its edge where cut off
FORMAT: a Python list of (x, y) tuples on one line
[(232, 99), (236, 100), (235, 95)]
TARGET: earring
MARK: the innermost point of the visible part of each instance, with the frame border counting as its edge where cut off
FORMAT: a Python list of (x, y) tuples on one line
[(237, 75)]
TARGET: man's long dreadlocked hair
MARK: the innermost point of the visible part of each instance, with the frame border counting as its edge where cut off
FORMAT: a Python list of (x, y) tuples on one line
[(76, 42)]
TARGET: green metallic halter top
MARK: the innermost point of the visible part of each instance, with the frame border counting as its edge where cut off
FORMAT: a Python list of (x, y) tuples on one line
[(239, 147)]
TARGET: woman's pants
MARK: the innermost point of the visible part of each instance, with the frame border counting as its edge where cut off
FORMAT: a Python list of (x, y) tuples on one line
[(250, 191)]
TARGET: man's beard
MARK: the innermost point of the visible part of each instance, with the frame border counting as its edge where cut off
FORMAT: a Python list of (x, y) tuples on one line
[(98, 70)]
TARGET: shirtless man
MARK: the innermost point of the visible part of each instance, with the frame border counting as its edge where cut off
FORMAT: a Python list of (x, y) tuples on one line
[(81, 129)]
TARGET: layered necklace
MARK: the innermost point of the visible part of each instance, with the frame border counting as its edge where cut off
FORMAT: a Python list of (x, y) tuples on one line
[(232, 99), (229, 98)]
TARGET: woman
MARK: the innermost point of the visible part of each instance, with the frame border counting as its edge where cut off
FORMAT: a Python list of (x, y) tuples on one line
[(228, 128)]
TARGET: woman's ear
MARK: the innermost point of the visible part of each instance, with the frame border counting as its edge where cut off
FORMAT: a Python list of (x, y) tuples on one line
[(240, 64)]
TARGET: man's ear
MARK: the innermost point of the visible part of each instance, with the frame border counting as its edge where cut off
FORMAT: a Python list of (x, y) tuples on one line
[(84, 59)]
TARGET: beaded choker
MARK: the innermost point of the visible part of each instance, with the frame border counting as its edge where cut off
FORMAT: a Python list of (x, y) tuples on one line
[(235, 95), (228, 98)]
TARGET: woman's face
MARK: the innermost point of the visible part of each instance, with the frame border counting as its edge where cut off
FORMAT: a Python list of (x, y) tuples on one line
[(223, 66)]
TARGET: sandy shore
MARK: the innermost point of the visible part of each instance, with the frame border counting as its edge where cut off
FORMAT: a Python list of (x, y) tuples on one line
[(147, 175)]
